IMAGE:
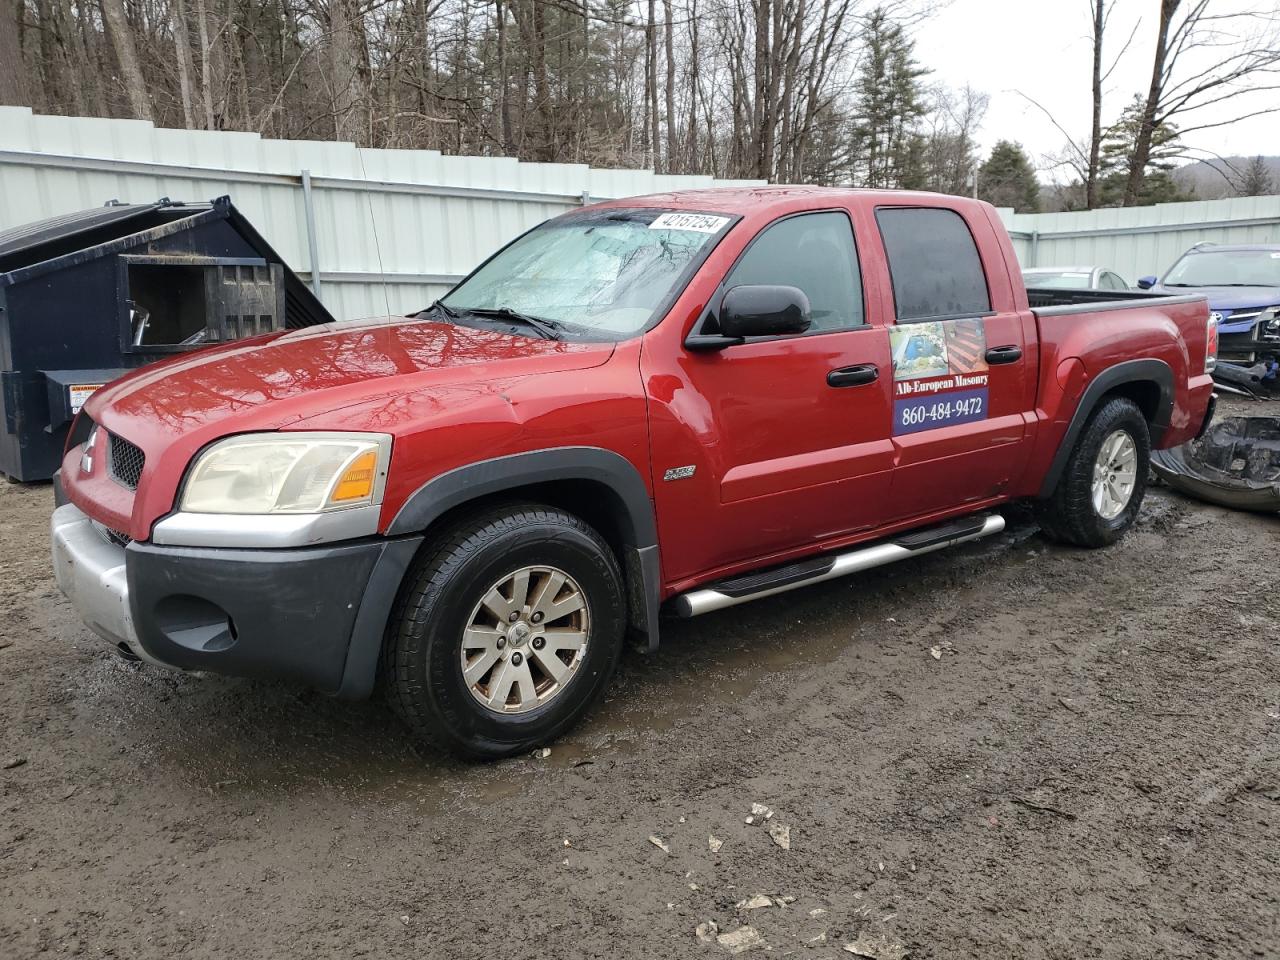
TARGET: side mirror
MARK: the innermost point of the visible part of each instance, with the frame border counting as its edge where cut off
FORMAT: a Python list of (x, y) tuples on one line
[(760, 310), (1146, 283)]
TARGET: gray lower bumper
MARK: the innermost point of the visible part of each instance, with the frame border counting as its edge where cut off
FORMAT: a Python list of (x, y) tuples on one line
[(309, 614), (91, 571)]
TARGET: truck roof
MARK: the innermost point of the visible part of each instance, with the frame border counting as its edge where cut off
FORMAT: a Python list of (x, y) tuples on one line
[(754, 199)]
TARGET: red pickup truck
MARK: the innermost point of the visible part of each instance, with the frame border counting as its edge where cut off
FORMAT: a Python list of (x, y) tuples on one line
[(675, 403)]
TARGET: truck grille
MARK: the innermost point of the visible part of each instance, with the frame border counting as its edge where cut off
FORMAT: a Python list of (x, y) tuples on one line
[(125, 461), (118, 537)]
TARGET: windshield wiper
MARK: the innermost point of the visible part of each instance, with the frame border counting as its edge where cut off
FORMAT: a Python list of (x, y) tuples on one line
[(439, 307), (547, 329)]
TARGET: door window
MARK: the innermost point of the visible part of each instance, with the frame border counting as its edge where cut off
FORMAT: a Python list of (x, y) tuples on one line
[(815, 252), (933, 263)]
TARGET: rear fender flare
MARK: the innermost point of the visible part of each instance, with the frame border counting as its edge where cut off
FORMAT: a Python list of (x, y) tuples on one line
[(1130, 371), (632, 503)]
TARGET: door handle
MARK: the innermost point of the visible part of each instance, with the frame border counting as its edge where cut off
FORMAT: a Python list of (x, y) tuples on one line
[(855, 376), (1009, 354)]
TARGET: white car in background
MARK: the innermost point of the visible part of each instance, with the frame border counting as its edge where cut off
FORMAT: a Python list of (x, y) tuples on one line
[(1074, 278)]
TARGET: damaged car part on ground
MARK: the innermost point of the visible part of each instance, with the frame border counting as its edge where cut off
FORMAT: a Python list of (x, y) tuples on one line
[(1261, 380), (1236, 463)]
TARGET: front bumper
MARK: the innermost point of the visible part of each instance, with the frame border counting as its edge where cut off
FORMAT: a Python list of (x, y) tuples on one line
[(309, 614), (90, 570)]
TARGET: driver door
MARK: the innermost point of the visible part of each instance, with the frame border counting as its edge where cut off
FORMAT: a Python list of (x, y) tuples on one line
[(776, 443)]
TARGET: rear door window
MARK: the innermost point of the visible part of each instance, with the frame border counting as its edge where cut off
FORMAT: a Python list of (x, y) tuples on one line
[(933, 263)]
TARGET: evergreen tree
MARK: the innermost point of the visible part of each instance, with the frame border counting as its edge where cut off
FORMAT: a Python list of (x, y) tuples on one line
[(1008, 179), (1158, 185), (888, 102), (1257, 179)]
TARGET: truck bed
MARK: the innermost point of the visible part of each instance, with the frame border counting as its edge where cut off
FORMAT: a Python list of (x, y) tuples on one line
[(1042, 298)]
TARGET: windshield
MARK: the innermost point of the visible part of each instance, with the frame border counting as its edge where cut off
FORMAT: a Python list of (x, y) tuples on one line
[(596, 275), (1226, 268), (1064, 280)]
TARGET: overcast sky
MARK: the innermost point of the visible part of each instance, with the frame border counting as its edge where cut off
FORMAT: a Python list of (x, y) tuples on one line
[(1043, 48)]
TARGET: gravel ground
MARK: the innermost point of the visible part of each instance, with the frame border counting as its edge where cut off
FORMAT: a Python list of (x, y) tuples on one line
[(1009, 750)]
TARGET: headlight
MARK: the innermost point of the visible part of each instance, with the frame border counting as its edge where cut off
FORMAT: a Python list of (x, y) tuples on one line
[(288, 473)]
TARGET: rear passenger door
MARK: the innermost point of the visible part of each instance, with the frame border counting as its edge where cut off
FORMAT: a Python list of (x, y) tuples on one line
[(961, 389)]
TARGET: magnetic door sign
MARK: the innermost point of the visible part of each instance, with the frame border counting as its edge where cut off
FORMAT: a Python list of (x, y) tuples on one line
[(939, 374)]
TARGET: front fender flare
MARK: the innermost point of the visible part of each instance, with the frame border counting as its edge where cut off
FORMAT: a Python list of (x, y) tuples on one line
[(632, 503)]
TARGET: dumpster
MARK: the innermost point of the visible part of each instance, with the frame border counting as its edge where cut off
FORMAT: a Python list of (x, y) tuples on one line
[(88, 296)]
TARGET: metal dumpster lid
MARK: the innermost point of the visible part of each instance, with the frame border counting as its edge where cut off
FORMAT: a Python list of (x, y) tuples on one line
[(114, 215)]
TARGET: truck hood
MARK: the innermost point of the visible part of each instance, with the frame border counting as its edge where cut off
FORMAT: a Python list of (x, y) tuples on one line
[(270, 382)]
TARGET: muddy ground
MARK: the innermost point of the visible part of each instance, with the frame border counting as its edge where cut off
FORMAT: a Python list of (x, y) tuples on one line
[(1090, 769)]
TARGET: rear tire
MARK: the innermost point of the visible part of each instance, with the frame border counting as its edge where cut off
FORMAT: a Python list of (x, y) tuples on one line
[(1101, 489), (508, 628)]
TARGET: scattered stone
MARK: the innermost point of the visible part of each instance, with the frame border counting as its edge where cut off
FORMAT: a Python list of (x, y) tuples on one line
[(820, 938), (542, 753), (781, 834), (749, 820), (706, 932), (659, 843), (714, 843), (70, 793), (405, 920), (14, 762), (564, 862), (740, 940), (682, 820), (760, 810), (4, 644), (755, 903), (817, 912), (935, 652), (1274, 714), (693, 886), (876, 946), (567, 843)]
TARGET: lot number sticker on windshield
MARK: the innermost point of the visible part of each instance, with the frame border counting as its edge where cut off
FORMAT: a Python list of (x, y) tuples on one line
[(939, 374), (697, 222)]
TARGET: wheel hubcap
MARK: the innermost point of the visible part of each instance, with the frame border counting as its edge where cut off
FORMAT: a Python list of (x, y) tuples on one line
[(1115, 474), (525, 639)]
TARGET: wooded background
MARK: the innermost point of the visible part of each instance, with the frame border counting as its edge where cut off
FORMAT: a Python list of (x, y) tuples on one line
[(814, 91)]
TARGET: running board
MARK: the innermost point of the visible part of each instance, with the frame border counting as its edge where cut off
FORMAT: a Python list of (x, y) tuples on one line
[(766, 583)]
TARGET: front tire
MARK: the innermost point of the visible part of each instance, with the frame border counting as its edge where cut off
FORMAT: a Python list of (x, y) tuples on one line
[(509, 627), (1101, 489)]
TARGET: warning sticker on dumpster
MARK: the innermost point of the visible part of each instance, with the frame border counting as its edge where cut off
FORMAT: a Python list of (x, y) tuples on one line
[(697, 222), (80, 392), (940, 374)]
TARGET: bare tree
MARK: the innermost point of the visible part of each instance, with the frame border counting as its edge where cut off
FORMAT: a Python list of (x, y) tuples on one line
[(122, 39), (13, 79), (1205, 60)]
